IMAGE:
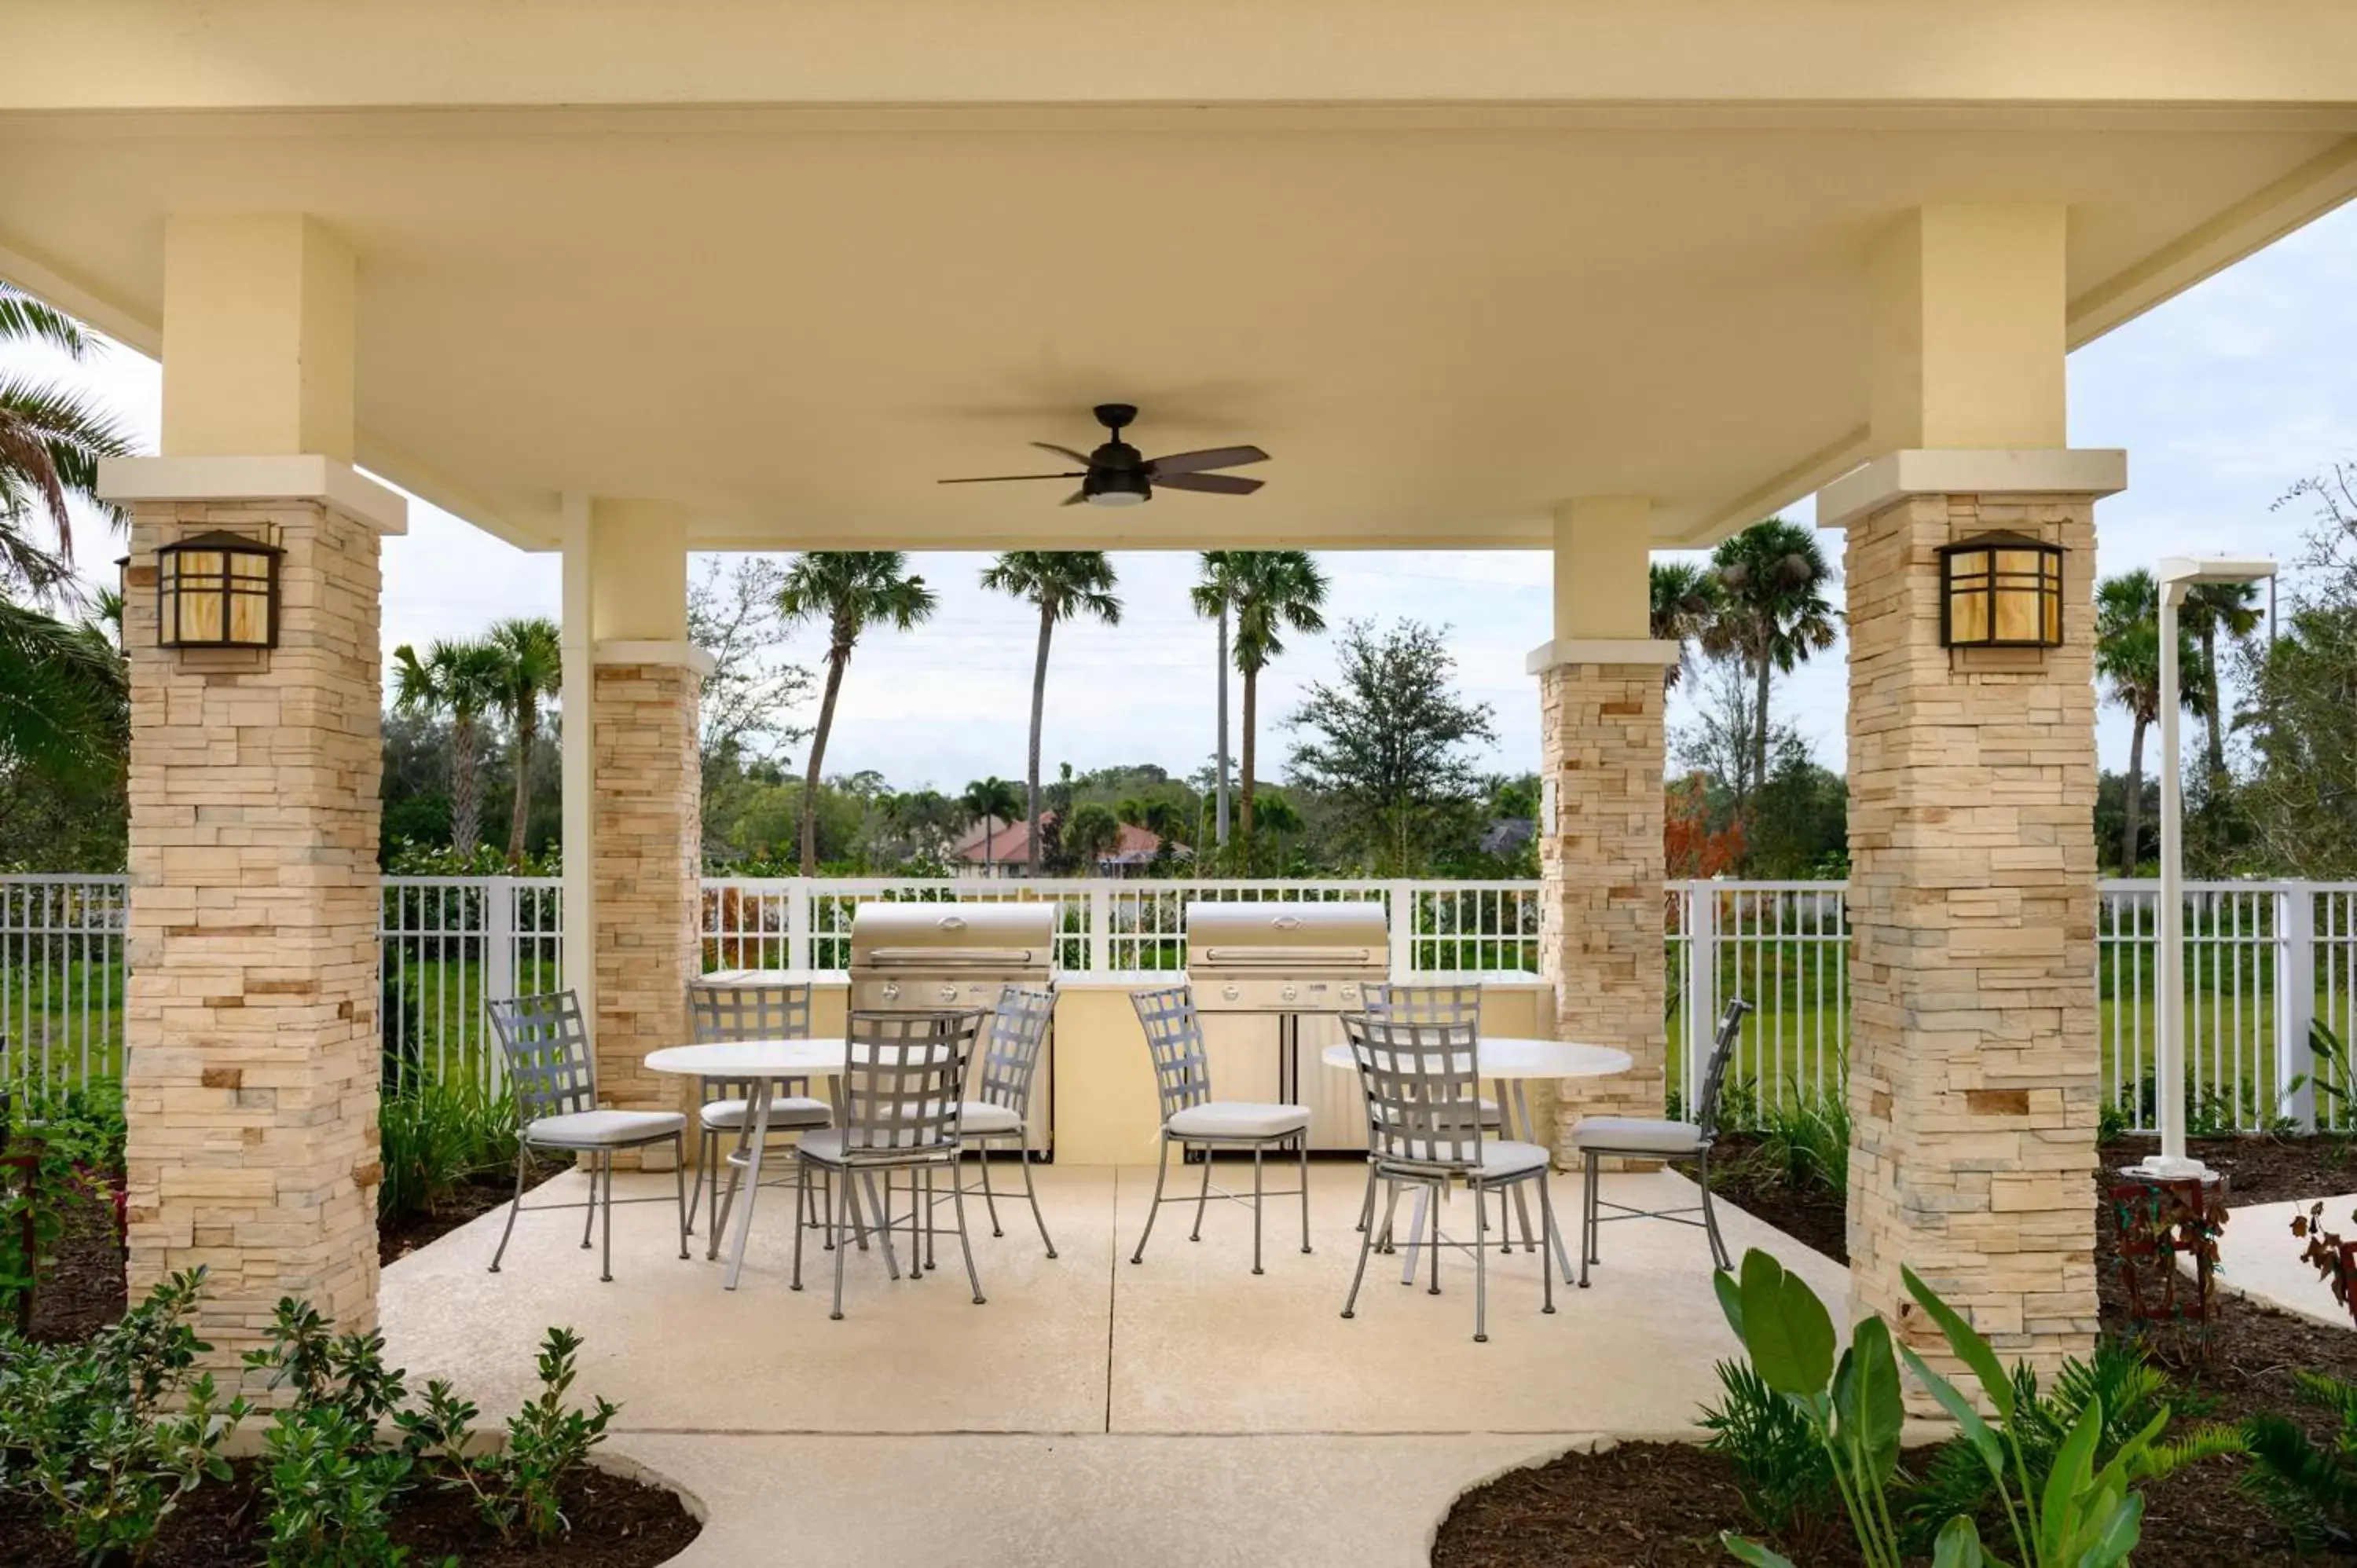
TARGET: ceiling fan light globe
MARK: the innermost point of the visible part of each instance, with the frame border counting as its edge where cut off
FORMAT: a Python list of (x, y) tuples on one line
[(1117, 498)]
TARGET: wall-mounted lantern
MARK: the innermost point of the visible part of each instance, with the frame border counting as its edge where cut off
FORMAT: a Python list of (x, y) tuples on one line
[(217, 590), (2001, 590)]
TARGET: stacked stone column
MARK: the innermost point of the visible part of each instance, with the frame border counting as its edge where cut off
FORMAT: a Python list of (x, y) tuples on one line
[(647, 862), (1973, 1015), (1600, 865), (251, 1013)]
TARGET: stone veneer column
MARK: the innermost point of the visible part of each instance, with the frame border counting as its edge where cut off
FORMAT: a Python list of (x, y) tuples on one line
[(1600, 865), (648, 863), (250, 1008), (1973, 1017)]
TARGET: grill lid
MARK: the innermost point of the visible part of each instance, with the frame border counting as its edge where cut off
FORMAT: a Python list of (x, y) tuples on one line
[(1285, 938), (952, 936)]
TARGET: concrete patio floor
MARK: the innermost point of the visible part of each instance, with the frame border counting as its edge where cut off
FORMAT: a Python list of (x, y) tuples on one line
[(1179, 1412)]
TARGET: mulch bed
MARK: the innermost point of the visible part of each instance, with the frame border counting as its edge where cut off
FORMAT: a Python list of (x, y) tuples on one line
[(83, 1292), (404, 1233), (1651, 1506), (617, 1523)]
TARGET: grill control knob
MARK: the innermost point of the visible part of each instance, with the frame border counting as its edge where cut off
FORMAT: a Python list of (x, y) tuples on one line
[(1290, 991), (1350, 992), (891, 991), (949, 994), (1231, 992)]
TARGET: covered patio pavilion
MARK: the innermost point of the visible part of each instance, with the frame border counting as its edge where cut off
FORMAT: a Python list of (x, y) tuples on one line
[(1597, 279)]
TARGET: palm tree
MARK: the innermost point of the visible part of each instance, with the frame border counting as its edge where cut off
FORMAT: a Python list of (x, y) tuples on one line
[(532, 666), (2127, 659), (65, 693), (464, 680), (1090, 835), (1061, 584), (1772, 614), (849, 590), (2211, 610), (50, 443), (1214, 595), (989, 802), (1684, 604), (1271, 592)]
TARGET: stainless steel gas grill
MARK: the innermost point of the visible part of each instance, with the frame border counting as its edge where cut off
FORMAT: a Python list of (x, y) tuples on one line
[(931, 958), (1301, 966)]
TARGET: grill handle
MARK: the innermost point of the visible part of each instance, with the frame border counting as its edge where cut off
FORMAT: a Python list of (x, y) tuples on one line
[(1283, 958)]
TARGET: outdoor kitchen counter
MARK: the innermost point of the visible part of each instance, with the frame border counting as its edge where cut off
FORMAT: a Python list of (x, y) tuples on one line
[(1106, 1108)]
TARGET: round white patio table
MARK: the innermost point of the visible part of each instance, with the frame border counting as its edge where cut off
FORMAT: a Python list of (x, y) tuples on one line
[(764, 1062), (1509, 1062)]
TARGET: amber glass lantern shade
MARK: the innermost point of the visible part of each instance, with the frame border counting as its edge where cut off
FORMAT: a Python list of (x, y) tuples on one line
[(217, 590), (2001, 590)]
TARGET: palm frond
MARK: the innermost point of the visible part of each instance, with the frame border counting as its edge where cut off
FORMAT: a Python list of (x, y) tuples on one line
[(24, 318)]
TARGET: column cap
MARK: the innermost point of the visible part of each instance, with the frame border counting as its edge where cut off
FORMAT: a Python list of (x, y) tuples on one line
[(1971, 470), (304, 475), (1546, 656), (613, 650)]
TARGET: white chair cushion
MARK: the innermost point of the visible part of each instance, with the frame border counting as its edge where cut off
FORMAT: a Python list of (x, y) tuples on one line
[(786, 1113), (824, 1145), (983, 1119), (1506, 1158), (1238, 1119), (602, 1129), (1636, 1134)]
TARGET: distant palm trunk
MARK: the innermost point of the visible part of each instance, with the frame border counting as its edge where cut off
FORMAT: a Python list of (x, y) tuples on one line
[(1245, 792), (466, 784), (2132, 826), (520, 814), (834, 663), (1221, 785), (1038, 712), (2213, 721)]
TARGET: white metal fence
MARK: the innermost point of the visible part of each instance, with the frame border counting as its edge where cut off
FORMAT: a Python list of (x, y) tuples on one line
[(2264, 961)]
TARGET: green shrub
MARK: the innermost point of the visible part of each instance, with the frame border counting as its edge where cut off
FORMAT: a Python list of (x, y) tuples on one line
[(1784, 1474), (517, 1489), (434, 1138), (1804, 1143), (66, 1147), (331, 1491), (2311, 1488), (82, 1428)]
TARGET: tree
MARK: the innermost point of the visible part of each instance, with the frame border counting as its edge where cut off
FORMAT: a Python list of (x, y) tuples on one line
[(1390, 735), (850, 590), (1059, 584), (1270, 591), (1213, 596), (2301, 800), (1092, 834), (732, 615), (987, 802), (2212, 611), (464, 680), (1684, 605), (65, 698), (50, 443), (1772, 615), (2128, 661), (531, 656)]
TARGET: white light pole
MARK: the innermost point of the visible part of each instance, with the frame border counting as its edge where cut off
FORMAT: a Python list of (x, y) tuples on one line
[(2178, 572)]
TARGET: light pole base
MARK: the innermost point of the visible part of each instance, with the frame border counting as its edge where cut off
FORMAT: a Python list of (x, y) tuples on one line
[(2167, 1167)]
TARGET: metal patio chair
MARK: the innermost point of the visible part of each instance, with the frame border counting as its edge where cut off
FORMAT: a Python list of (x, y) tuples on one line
[(554, 1079), (1192, 1119), (1001, 1109), (1422, 1083), (766, 1011), (903, 1085), (1647, 1138), (1455, 1006)]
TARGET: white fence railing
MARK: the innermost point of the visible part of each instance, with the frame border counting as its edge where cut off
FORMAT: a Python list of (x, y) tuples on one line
[(2264, 961)]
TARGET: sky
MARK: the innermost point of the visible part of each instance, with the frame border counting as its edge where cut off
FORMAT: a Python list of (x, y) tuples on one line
[(2223, 397)]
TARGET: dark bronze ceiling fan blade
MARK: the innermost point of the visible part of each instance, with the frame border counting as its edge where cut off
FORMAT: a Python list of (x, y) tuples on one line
[(1009, 478), (1209, 457), (1076, 497), (1080, 457), (1209, 484)]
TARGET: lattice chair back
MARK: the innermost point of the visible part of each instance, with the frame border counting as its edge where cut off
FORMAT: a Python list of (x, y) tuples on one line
[(903, 1075), (1174, 1035), (1714, 1072), (1423, 1088), (1010, 1062), (1455, 1006), (546, 1048), (769, 1010)]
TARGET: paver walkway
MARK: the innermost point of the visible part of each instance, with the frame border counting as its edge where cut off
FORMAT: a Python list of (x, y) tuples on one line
[(1181, 1411)]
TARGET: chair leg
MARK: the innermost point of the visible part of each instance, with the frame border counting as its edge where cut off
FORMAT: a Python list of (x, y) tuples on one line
[(605, 1258), (589, 1215), (1367, 1205), (1152, 1210), (1366, 1245), (957, 1200), (1385, 1243), (982, 1157), (1033, 1194), (1587, 1214), (1481, 1261), (851, 1212), (884, 1226), (1302, 1148), (1202, 1198), (696, 1192), (801, 1202), (679, 1180), (1710, 1216), (1256, 1148), (1546, 1241), (1433, 1241), (514, 1206), (826, 1187)]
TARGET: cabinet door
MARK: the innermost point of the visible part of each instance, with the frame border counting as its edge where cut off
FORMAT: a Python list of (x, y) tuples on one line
[(1338, 1109), (1241, 1050)]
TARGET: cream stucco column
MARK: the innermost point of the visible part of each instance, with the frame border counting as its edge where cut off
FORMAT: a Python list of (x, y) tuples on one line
[(1972, 790), (645, 857), (1601, 748), (251, 1013)]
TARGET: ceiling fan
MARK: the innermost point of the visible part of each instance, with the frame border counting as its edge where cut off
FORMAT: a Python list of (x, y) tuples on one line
[(1118, 473)]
